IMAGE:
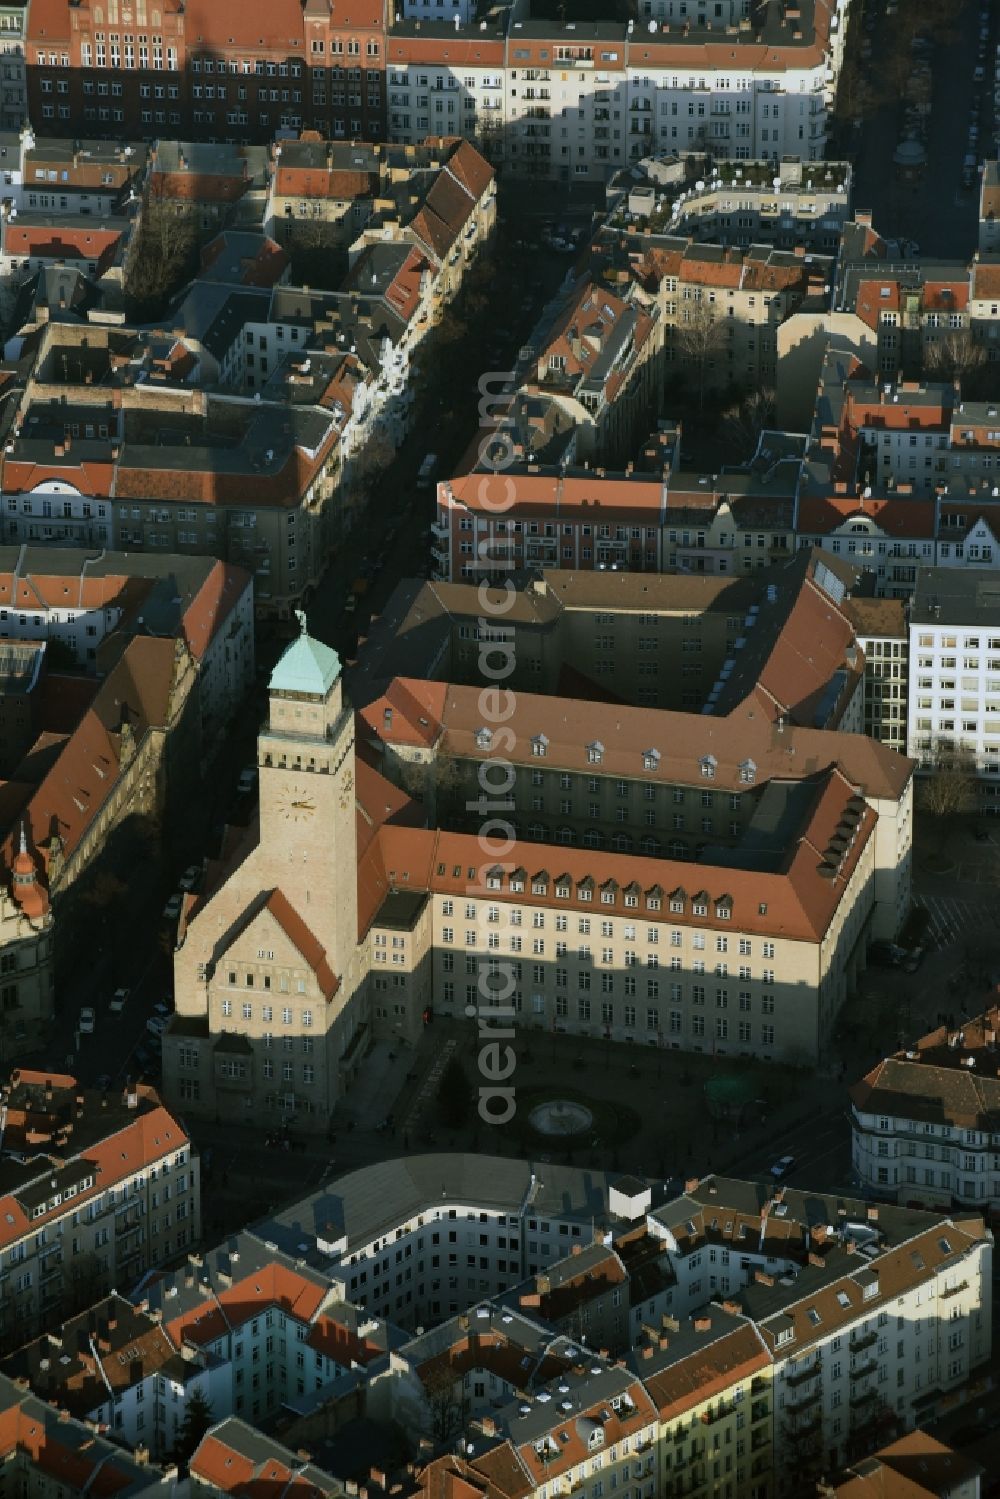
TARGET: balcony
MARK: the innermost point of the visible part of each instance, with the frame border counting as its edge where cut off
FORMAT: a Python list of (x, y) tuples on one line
[(863, 1399), (759, 1411), (804, 1433), (797, 1407), (869, 1339), (953, 1290), (801, 1375)]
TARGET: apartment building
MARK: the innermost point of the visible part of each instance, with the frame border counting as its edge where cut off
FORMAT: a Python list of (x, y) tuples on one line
[(79, 178), (422, 1238), (92, 603), (921, 1120), (917, 1453), (248, 482), (722, 307), (601, 363), (793, 203), (803, 1328), (46, 1451), (953, 694), (880, 629), (101, 1189), (601, 519), (13, 92), (583, 100), (209, 185), (917, 313), (241, 1328), (232, 1456), (112, 1365)]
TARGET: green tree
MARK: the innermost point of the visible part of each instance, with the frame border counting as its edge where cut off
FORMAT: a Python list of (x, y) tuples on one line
[(196, 1421)]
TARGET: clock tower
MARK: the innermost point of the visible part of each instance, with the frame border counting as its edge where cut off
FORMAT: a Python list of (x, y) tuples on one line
[(308, 837)]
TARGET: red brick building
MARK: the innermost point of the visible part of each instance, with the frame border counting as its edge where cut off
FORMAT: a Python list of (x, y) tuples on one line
[(207, 69)]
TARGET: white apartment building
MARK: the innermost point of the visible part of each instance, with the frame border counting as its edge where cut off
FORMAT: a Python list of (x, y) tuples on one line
[(100, 1214), (581, 102), (954, 649), (922, 1120)]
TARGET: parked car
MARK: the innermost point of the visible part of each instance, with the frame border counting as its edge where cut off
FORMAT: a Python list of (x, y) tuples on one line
[(782, 1167), (87, 1021), (172, 909), (352, 603), (427, 471), (886, 955), (913, 959), (190, 877), (247, 780), (156, 1025), (162, 1009), (119, 1000)]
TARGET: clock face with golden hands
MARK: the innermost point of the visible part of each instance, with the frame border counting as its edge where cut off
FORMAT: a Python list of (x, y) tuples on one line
[(294, 804), (347, 789)]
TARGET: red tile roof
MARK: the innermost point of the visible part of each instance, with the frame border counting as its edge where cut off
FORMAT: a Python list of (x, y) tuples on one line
[(313, 952), (904, 517), (212, 606)]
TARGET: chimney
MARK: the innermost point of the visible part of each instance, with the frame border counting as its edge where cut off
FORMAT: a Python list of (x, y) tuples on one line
[(692, 1184), (702, 1324)]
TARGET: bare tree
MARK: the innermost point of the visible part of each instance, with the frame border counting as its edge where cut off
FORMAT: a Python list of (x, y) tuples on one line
[(698, 337), (956, 356), (317, 251), (447, 1402), (163, 252), (950, 787), (741, 426)]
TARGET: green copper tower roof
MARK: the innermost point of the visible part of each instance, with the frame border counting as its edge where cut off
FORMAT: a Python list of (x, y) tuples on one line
[(306, 666)]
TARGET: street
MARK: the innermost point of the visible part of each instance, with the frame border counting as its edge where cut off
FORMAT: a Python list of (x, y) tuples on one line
[(933, 210)]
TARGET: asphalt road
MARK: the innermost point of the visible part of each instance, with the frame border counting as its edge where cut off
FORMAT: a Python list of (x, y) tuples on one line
[(935, 211)]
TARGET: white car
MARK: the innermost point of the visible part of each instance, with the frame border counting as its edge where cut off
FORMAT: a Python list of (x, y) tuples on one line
[(88, 1020), (156, 1025), (119, 1000), (172, 909), (781, 1168), (190, 877)]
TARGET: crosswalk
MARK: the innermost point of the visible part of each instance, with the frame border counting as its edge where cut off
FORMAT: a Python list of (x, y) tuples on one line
[(954, 920)]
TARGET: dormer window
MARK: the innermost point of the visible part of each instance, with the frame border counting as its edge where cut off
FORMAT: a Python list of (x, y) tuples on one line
[(651, 759), (484, 739), (708, 764), (596, 1438), (595, 752), (748, 772), (539, 746), (562, 889)]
